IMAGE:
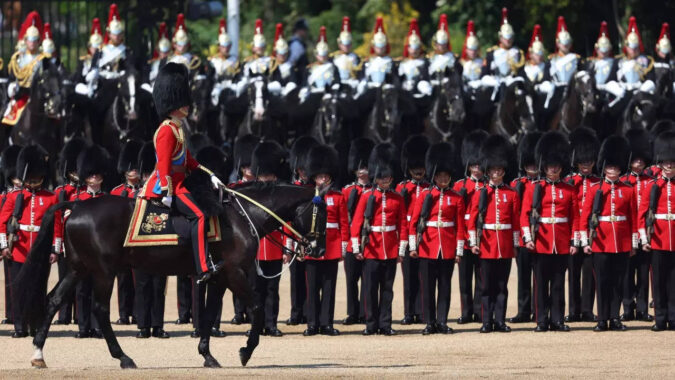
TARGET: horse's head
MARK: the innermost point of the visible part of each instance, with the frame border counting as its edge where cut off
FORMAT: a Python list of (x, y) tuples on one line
[(46, 89), (642, 112), (451, 89), (519, 103), (125, 108), (258, 98), (589, 97), (310, 222), (329, 117), (200, 87)]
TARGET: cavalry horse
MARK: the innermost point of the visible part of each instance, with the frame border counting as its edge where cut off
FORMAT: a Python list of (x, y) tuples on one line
[(95, 232), (384, 118), (448, 113), (580, 104), (513, 116), (258, 120)]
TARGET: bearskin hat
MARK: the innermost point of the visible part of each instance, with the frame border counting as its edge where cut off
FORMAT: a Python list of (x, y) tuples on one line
[(299, 151), (497, 152), (32, 160), (664, 147), (471, 147), (171, 90), (412, 153), (215, 160), (440, 158), (198, 141), (383, 162), (584, 143), (270, 158), (128, 159), (243, 150), (93, 160), (323, 159), (147, 158), (68, 156), (660, 127), (614, 151), (640, 146), (359, 152), (553, 149), (8, 162), (526, 149)]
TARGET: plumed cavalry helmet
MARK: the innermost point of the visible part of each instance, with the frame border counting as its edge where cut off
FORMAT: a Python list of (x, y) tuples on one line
[(115, 25), (614, 151), (68, 157), (562, 35), (525, 149), (440, 158), (585, 145), (164, 45), (8, 163), (470, 40), (95, 37), (322, 44), (31, 29), (32, 162), (442, 36), (323, 159), (171, 90), (180, 34), (223, 38), (413, 39), (505, 30), (359, 152), (48, 47), (383, 162), (553, 149), (345, 37), (258, 36), (128, 159), (379, 39), (603, 44), (633, 38), (663, 43), (536, 44), (280, 44), (412, 153)]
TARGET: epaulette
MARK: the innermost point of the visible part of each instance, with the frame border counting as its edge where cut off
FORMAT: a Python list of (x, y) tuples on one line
[(492, 48)]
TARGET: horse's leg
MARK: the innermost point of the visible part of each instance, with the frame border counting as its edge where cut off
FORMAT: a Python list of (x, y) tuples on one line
[(102, 291), (241, 288), (207, 319), (61, 294)]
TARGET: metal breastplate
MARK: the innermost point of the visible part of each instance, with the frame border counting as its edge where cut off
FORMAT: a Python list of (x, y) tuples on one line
[(410, 70), (440, 62), (563, 68), (285, 70), (601, 69), (110, 55), (321, 75), (222, 66), (535, 73), (503, 59), (258, 66), (345, 63), (26, 59), (471, 70), (629, 71), (377, 69), (154, 70)]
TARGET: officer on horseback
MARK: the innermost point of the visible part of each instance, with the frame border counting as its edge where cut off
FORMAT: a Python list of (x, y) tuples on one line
[(378, 69), (160, 57), (283, 73), (344, 59), (171, 94), (85, 72), (322, 75), (257, 64), (503, 61), (442, 60), (603, 66), (563, 64), (663, 61), (225, 66), (181, 46), (635, 68), (470, 60)]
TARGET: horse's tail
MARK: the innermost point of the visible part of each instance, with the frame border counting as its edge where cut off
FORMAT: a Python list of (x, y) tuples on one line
[(30, 285)]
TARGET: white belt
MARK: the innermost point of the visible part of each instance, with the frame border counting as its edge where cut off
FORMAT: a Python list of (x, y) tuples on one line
[(332, 225), (434, 223), (496, 227), (29, 228), (383, 228), (615, 218), (553, 220), (665, 216)]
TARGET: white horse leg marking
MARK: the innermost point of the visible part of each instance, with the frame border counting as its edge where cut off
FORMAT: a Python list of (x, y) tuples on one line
[(258, 108)]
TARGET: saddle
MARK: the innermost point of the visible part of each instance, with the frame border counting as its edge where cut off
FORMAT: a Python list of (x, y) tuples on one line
[(15, 110), (153, 224)]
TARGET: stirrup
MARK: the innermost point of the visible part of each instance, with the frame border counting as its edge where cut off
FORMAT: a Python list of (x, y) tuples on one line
[(204, 277)]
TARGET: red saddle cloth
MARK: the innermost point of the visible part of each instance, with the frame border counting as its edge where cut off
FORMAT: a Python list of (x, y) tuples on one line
[(152, 225), (15, 111)]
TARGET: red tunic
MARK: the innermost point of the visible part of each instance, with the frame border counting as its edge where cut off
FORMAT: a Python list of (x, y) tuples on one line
[(67, 190), (526, 182), (559, 222), (618, 225), (130, 190), (269, 251), (173, 161), (346, 192), (413, 190), (389, 227), (469, 185), (663, 238), (443, 237), (337, 227), (34, 207), (501, 227)]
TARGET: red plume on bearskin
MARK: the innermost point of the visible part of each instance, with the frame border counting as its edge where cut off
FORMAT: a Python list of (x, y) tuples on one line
[(359, 152), (33, 19), (470, 30), (413, 28)]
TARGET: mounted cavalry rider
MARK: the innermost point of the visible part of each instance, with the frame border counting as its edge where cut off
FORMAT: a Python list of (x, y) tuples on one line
[(322, 75), (603, 66), (181, 46), (344, 59), (257, 64), (413, 73), (116, 59), (503, 61), (283, 74), (225, 66), (378, 69), (22, 67), (635, 68), (86, 65), (563, 64), (442, 61), (470, 60), (159, 58), (663, 62), (171, 94), (536, 75)]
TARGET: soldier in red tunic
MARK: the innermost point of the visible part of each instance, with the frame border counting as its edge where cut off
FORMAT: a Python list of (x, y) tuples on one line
[(549, 222), (21, 216), (469, 283), (412, 163), (11, 183), (609, 230), (494, 231), (322, 169), (657, 231), (636, 281), (580, 279), (171, 94), (438, 220), (380, 225)]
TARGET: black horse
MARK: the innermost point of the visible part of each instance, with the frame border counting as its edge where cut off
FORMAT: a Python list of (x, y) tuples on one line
[(384, 119), (258, 120), (202, 115), (447, 115), (513, 114), (94, 236), (580, 104), (642, 111)]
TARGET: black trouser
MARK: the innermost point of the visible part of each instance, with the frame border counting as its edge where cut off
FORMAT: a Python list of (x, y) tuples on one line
[(494, 275), (663, 287), (66, 312), (84, 293), (636, 284), (412, 304), (321, 279), (186, 205), (14, 269), (149, 299), (184, 295), (378, 281), (549, 287), (199, 298), (267, 291), (298, 291), (8, 289), (610, 268), (435, 273), (581, 284), (524, 263), (469, 284), (353, 273), (125, 294)]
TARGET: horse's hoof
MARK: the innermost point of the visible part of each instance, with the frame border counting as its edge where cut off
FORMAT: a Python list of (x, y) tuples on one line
[(38, 363), (127, 363), (244, 355), (211, 363)]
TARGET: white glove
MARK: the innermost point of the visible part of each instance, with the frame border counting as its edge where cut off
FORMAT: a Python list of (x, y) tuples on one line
[(648, 87), (82, 89), (166, 201), (424, 87), (544, 87), (614, 88), (510, 80), (489, 81), (274, 88), (217, 183), (290, 86), (215, 94), (302, 94), (475, 84), (335, 87), (91, 75), (12, 89), (147, 87), (240, 86), (360, 88)]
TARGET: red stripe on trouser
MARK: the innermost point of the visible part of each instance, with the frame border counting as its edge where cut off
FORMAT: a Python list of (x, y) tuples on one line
[(200, 233)]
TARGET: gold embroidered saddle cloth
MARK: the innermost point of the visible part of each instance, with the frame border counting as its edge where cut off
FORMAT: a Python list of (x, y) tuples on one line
[(153, 224)]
